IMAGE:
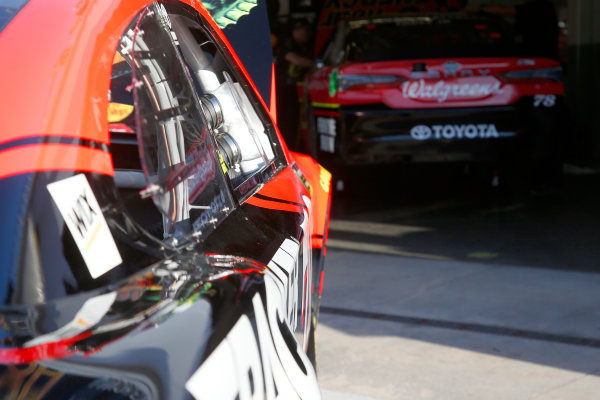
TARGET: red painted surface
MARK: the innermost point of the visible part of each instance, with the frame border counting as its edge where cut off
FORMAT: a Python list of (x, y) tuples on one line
[(320, 181), (59, 82), (274, 205), (59, 79), (273, 106), (54, 157), (46, 351), (405, 92)]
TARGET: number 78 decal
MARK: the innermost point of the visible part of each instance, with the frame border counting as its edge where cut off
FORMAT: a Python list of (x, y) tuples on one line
[(545, 100)]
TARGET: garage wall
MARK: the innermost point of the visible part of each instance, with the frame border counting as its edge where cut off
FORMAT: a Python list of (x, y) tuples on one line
[(583, 79)]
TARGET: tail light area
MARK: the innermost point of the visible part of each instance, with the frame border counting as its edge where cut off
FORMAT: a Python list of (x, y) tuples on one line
[(344, 82), (546, 75), (367, 82)]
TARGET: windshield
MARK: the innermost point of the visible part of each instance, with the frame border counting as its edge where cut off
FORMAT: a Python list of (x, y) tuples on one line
[(415, 37)]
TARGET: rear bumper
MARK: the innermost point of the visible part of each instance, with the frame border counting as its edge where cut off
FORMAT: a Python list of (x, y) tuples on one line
[(371, 135)]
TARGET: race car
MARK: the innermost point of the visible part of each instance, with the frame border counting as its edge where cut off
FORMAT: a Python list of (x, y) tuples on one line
[(435, 88), (159, 240)]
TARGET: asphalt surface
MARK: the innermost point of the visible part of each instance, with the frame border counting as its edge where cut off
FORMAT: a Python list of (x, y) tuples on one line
[(440, 286)]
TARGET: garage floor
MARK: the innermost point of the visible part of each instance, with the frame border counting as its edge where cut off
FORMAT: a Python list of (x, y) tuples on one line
[(439, 286)]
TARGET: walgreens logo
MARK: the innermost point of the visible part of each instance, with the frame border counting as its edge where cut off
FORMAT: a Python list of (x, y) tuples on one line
[(441, 91), (467, 131)]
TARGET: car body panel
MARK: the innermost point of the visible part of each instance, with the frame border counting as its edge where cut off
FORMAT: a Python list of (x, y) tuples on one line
[(61, 48), (129, 354)]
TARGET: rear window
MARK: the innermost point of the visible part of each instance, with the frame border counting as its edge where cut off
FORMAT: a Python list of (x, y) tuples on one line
[(8, 10), (405, 38)]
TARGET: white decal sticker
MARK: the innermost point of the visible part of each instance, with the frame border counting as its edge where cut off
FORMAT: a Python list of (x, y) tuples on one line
[(326, 125), (470, 131), (327, 143), (442, 91), (92, 312), (326, 129), (268, 362), (251, 366), (546, 100), (233, 370), (284, 265), (80, 210), (307, 271)]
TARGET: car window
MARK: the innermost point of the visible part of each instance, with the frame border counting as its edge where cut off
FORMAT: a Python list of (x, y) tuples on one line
[(334, 50), (428, 37), (203, 143)]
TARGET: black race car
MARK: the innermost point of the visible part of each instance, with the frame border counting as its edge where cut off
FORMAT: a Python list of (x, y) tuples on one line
[(158, 239)]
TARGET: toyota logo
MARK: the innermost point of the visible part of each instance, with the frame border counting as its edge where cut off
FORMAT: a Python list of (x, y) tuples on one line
[(420, 132)]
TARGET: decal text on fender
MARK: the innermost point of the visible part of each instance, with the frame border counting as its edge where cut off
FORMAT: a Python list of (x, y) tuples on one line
[(83, 217), (325, 180), (264, 365), (262, 359)]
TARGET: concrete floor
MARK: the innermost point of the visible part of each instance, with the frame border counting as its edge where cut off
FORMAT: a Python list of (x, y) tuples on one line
[(454, 291)]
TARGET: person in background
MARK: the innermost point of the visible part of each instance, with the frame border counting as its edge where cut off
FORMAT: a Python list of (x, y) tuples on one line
[(294, 59)]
